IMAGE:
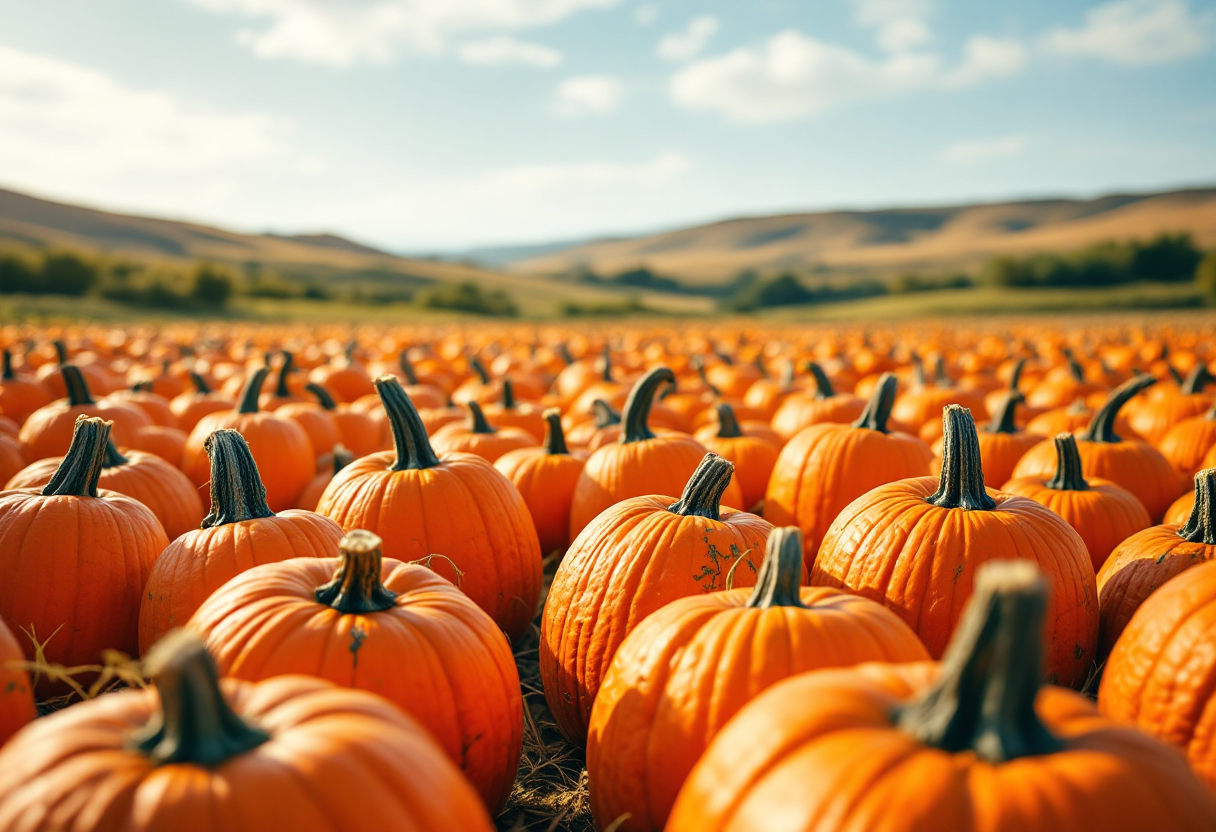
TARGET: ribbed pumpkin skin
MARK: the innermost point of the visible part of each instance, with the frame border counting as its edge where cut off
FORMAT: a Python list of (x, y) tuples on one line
[(436, 655), (1180, 510), (1000, 453), (146, 478), (1187, 443), (893, 546), (166, 443), (337, 761), (1162, 671), (16, 693), (827, 466), (11, 460), (320, 425), (822, 744), (1137, 567), (546, 482), (200, 562), (48, 430), (1154, 419), (457, 438), (633, 559), (463, 509), (688, 668), (1104, 515), (76, 565), (801, 410), (284, 454), (753, 460)]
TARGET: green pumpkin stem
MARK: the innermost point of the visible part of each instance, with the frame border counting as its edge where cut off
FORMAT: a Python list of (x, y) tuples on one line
[(563, 352), (477, 367), (758, 363), (1068, 476), (324, 399), (1201, 525), (288, 367), (878, 409), (61, 352), (247, 402), (113, 457), (477, 419), (508, 394), (702, 495), (237, 492), (1074, 367), (200, 384), (940, 377), (1015, 378), (555, 437), (1197, 379), (961, 484), (80, 469), (606, 369), (195, 725), (823, 385), (342, 458), (780, 580), (984, 698), (1004, 420), (8, 374), (356, 588), (414, 451), (603, 414), (728, 425), (919, 380), (636, 416), (407, 368), (77, 387), (1102, 426)]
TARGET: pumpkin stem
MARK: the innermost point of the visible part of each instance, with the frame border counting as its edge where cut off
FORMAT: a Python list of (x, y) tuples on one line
[(477, 419), (606, 370), (823, 385), (1003, 421), (940, 377), (698, 364), (325, 400), (248, 400), (113, 457), (80, 469), (1197, 379), (78, 388), (477, 367), (8, 374), (983, 701), (563, 352), (355, 587), (1102, 426), (145, 386), (237, 492), (288, 366), (508, 394), (195, 725), (603, 414), (61, 352), (758, 361), (780, 579), (1201, 525), (728, 424), (407, 368), (919, 381), (702, 495), (200, 384), (637, 407), (414, 451), (1069, 476), (342, 458), (555, 437), (878, 408), (1075, 368), (1174, 374), (1015, 378), (961, 484)]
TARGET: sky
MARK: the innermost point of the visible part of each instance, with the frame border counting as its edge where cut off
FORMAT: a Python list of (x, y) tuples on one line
[(439, 125)]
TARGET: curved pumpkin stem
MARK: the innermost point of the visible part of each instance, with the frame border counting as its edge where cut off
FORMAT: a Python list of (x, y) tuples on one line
[(878, 408), (940, 377), (698, 364), (1004, 420), (477, 367), (1197, 379), (80, 469), (702, 495), (983, 701), (325, 400), (414, 451), (1069, 476), (78, 388), (758, 363), (342, 458), (113, 457), (248, 401), (200, 384), (919, 380), (477, 419), (780, 580), (961, 484), (555, 437), (61, 352), (407, 368), (603, 414), (636, 416), (606, 370), (1201, 525), (1015, 378), (288, 367), (195, 725), (237, 492), (563, 352), (356, 587), (508, 394), (7, 373), (1074, 367), (1102, 426), (728, 424), (823, 385)]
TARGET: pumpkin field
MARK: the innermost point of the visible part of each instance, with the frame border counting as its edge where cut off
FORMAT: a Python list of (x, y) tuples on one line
[(628, 577)]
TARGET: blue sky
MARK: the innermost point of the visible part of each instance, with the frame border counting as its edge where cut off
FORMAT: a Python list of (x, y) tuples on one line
[(426, 125)]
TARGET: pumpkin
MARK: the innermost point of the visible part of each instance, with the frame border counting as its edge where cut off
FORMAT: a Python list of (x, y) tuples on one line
[(1131, 463), (690, 666), (206, 755), (922, 405), (346, 380), (637, 556), (1062, 384), (11, 460), (1001, 443), (194, 404), (603, 427), (1180, 510), (752, 457), (1153, 420), (766, 394), (281, 448), (20, 397), (154, 406), (16, 692), (48, 431), (480, 388), (639, 462), (1148, 559), (827, 466), (1160, 674), (339, 458), (479, 437), (284, 391), (391, 628), (915, 545), (67, 536), (545, 477), (166, 443), (975, 743), (141, 476), (458, 506), (509, 413), (1104, 514), (421, 394), (802, 409), (317, 422), (239, 533), (357, 431), (1189, 441)]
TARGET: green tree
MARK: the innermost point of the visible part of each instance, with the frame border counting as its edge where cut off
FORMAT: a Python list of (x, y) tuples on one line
[(1205, 275), (16, 275), (67, 274), (211, 287)]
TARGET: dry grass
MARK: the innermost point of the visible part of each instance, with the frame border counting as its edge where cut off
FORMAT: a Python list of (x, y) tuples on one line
[(81, 682)]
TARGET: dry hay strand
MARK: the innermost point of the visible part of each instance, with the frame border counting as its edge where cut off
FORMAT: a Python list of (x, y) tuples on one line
[(86, 681)]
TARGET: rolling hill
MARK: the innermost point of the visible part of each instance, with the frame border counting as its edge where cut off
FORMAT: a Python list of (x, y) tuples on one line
[(885, 242)]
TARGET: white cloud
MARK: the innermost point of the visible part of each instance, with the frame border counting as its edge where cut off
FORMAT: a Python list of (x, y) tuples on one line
[(984, 58), (506, 50), (645, 15), (1135, 32), (687, 44), (983, 150), (343, 32), (587, 95), (899, 25)]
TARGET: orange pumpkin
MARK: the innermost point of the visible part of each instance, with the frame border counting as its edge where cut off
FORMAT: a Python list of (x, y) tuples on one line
[(20, 397), (923, 404), (1189, 441), (16, 692), (1154, 419), (194, 404), (510, 413), (803, 409), (155, 407), (49, 430), (11, 460), (752, 457), (545, 477), (339, 458), (166, 443), (479, 437), (318, 423), (285, 387), (346, 379), (357, 431), (1002, 445)]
